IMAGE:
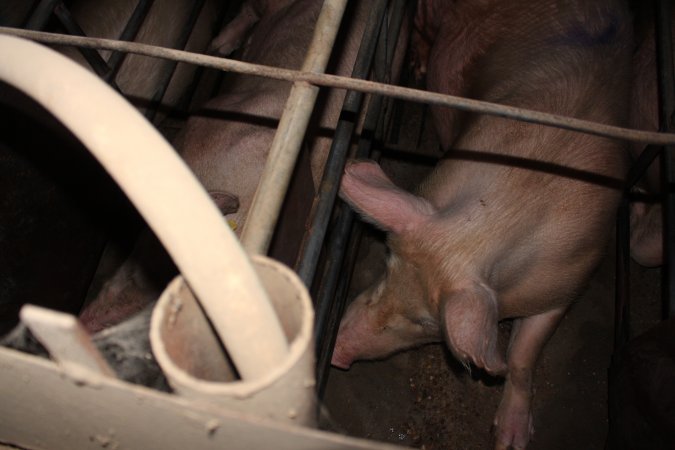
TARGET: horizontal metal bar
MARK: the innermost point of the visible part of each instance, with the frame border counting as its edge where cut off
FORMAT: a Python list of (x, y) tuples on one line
[(93, 57), (414, 95), (128, 34)]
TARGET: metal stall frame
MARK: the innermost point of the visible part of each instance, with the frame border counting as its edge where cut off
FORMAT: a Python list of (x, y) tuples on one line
[(108, 69), (204, 426), (666, 158)]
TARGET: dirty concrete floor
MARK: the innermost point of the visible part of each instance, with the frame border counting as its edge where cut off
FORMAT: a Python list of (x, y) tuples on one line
[(423, 398)]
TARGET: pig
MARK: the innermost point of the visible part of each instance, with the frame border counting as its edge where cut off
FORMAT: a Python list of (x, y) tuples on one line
[(513, 220), (226, 143), (646, 227)]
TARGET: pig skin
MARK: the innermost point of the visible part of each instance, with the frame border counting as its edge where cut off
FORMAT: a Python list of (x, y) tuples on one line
[(515, 218)]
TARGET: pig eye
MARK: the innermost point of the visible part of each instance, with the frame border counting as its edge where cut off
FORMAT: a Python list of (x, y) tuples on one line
[(427, 324)]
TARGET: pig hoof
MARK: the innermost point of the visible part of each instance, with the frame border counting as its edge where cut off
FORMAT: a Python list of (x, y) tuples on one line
[(515, 434)]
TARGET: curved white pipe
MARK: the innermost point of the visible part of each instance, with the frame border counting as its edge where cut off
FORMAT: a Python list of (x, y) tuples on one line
[(164, 191)]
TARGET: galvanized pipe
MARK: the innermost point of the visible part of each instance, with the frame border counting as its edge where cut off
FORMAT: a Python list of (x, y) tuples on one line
[(335, 81), (188, 224), (276, 176), (666, 77), (337, 155)]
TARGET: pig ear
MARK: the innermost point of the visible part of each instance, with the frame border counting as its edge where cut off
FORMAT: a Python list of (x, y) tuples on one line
[(470, 319), (227, 203), (370, 192)]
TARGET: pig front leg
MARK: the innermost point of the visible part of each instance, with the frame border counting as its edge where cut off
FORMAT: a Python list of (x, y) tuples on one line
[(513, 422)]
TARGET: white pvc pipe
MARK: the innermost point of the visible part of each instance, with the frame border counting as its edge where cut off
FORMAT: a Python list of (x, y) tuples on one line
[(164, 191)]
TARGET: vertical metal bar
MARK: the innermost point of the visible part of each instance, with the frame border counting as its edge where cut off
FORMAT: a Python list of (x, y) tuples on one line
[(345, 237), (41, 15), (128, 34), (285, 148), (337, 156), (622, 281), (330, 300), (171, 66), (667, 103)]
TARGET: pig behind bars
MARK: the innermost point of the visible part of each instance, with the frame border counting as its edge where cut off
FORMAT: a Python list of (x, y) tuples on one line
[(227, 141), (514, 219)]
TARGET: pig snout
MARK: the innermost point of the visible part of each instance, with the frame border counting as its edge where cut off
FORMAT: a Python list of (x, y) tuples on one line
[(349, 335)]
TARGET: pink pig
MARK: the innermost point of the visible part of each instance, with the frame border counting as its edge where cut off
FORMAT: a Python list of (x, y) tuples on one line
[(513, 221)]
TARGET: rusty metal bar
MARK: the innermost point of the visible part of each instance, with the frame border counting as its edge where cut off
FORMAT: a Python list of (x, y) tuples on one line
[(335, 81), (271, 191)]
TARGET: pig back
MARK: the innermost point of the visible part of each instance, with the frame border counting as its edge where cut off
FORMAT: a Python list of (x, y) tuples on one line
[(531, 202)]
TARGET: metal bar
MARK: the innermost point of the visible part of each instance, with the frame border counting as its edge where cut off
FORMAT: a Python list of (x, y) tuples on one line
[(667, 105), (327, 191), (128, 34), (332, 294), (335, 81), (41, 15), (92, 56), (641, 164), (164, 81), (107, 413), (67, 341), (622, 281), (285, 148)]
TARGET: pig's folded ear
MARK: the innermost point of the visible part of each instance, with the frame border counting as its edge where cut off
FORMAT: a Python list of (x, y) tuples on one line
[(227, 203), (469, 316), (371, 193)]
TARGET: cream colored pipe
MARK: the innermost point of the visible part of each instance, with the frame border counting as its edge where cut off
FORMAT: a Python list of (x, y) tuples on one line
[(276, 176), (164, 191)]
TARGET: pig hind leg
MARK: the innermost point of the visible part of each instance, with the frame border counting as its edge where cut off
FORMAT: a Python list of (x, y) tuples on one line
[(513, 421)]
